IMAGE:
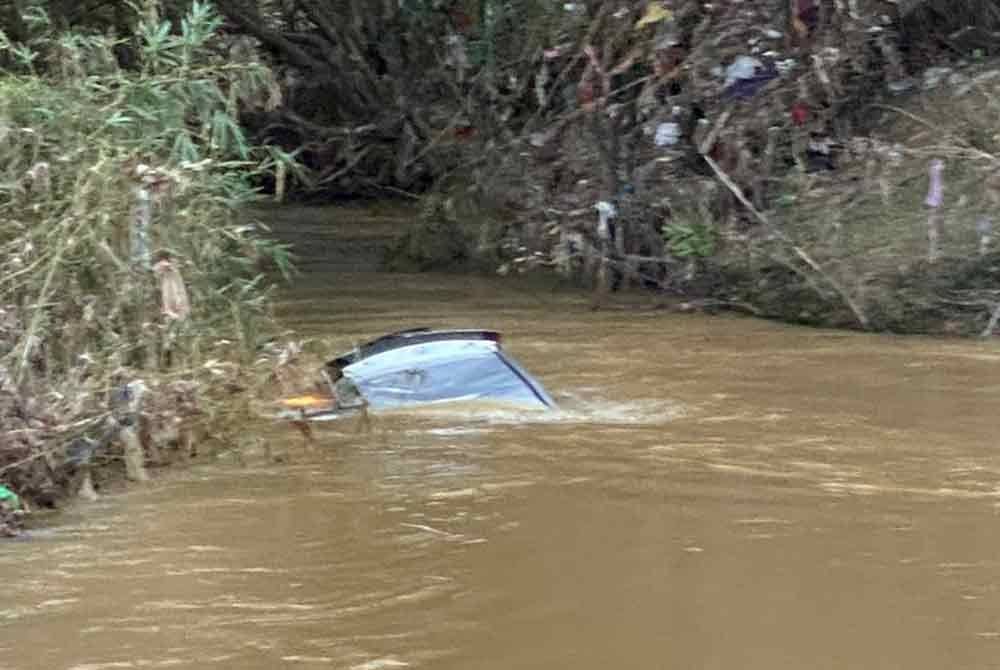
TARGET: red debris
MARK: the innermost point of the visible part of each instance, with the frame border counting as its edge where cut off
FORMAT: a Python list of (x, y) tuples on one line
[(800, 113)]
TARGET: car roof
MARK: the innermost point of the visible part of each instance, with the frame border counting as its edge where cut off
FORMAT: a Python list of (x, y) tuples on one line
[(405, 338), (444, 369)]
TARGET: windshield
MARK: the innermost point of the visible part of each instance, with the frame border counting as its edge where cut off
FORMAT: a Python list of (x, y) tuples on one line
[(440, 371)]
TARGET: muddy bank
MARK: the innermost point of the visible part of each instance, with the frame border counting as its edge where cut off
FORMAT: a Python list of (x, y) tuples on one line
[(951, 297), (954, 295)]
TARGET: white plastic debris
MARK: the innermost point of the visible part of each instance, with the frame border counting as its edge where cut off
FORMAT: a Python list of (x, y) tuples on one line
[(984, 226), (605, 212), (668, 38), (935, 189), (900, 85), (667, 134), (933, 76), (956, 79), (538, 139), (785, 66), (136, 390), (744, 67), (457, 52)]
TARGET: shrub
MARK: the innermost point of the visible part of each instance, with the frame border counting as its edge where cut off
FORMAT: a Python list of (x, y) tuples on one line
[(107, 172)]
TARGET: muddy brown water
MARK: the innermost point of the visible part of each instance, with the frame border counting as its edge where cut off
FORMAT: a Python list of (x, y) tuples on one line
[(714, 493)]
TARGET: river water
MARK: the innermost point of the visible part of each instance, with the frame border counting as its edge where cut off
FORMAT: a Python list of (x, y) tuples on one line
[(714, 493)]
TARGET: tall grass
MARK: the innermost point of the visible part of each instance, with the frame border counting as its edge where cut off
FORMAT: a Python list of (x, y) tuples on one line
[(105, 171)]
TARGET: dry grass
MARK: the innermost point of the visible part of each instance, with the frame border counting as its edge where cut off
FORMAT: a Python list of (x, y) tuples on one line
[(123, 254), (867, 222)]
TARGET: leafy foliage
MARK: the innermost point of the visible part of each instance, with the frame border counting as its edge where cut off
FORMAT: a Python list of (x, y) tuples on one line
[(690, 240), (105, 170)]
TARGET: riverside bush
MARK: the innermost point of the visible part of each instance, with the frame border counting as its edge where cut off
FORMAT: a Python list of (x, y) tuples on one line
[(123, 251)]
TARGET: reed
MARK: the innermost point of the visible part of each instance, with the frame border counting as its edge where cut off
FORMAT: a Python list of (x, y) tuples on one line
[(125, 253)]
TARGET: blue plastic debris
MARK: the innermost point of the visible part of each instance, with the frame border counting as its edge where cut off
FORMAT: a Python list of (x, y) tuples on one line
[(744, 88)]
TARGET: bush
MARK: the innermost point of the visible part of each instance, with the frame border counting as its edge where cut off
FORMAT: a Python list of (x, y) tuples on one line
[(109, 173)]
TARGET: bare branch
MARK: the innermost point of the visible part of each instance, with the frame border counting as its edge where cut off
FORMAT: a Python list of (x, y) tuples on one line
[(251, 21)]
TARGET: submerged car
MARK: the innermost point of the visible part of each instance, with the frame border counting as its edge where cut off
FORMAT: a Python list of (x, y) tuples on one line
[(420, 367)]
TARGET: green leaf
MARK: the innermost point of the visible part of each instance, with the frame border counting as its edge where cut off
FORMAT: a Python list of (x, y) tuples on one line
[(184, 149), (119, 119)]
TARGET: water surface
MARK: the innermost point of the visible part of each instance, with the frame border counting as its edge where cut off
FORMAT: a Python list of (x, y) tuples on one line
[(715, 493)]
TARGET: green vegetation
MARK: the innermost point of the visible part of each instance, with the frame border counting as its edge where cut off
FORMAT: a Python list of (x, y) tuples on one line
[(690, 240), (123, 253), (812, 168)]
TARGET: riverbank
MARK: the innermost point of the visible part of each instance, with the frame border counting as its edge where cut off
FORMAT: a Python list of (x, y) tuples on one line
[(953, 296), (883, 221), (132, 309)]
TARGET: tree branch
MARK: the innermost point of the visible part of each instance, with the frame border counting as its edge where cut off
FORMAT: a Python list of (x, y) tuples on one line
[(703, 149), (253, 24)]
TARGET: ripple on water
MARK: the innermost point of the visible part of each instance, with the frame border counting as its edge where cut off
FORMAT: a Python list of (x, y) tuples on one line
[(719, 506), (571, 409)]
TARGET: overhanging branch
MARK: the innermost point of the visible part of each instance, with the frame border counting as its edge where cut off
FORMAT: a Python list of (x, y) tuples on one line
[(251, 22)]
